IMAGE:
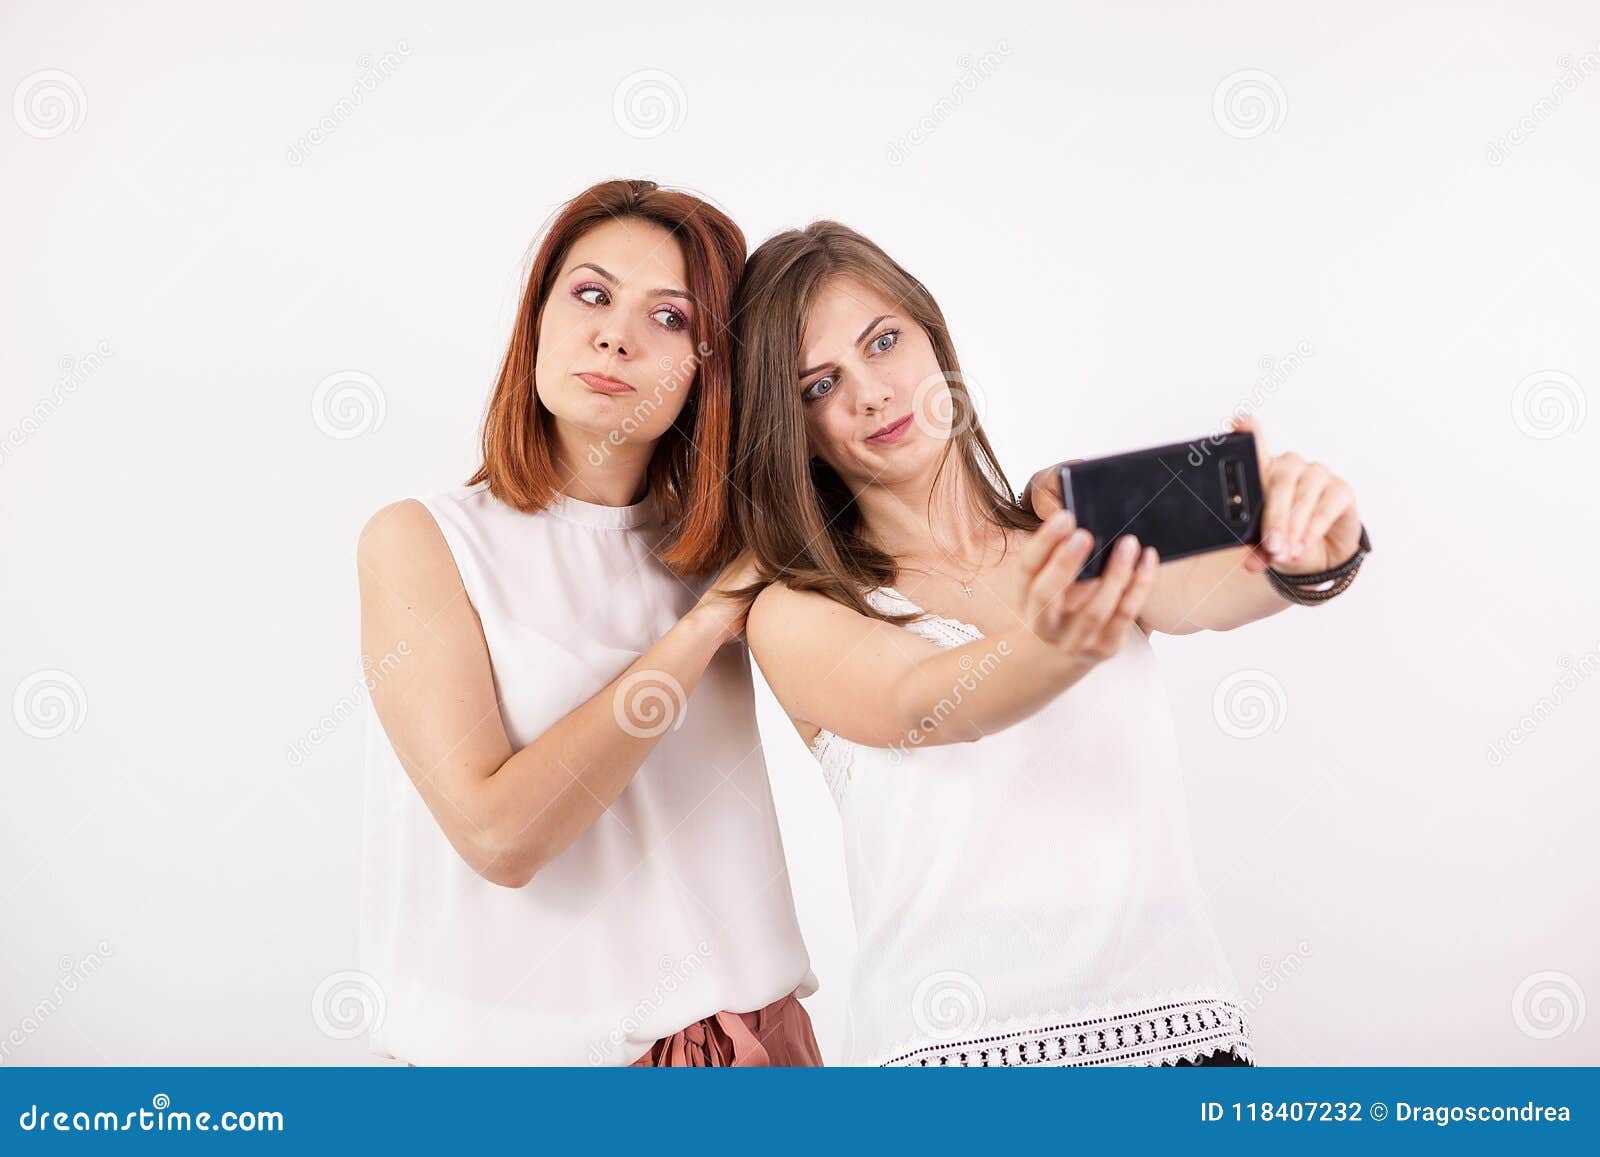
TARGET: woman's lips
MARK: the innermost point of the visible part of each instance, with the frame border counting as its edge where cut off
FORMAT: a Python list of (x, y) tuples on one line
[(601, 384), (891, 432)]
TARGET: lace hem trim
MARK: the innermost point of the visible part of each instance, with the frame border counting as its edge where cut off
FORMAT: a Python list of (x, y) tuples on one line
[(1160, 1034)]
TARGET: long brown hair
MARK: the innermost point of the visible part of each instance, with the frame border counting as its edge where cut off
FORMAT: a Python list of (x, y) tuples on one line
[(688, 470), (792, 511)]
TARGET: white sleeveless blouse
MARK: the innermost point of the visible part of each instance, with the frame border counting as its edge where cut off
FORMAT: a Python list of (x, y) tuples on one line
[(673, 906), (1030, 898)]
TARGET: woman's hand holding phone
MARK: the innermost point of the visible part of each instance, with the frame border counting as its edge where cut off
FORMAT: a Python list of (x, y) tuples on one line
[(1309, 521), (1083, 622)]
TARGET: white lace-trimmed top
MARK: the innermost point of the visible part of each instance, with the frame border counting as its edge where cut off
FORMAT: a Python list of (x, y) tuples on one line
[(1030, 898)]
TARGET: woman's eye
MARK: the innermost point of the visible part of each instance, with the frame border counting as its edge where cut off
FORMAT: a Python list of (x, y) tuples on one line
[(812, 393), (589, 294), (885, 341), (670, 318)]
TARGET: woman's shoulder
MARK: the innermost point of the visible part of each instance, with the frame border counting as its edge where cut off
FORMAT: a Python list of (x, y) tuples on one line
[(781, 601), (402, 535), (421, 520), (785, 619), (423, 533)]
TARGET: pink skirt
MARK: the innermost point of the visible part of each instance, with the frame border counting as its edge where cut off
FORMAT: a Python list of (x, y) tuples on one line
[(777, 1035)]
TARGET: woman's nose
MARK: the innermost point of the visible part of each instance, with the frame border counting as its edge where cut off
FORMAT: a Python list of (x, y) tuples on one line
[(611, 343), (614, 336), (873, 396)]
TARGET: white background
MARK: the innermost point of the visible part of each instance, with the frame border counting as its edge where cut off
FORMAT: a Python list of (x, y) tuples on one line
[(1120, 257)]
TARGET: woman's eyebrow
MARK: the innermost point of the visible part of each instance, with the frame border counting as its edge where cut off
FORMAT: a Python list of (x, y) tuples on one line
[(612, 278), (603, 272), (861, 337)]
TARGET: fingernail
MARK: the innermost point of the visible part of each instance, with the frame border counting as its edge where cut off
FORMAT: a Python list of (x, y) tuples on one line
[(1274, 541), (1298, 547), (1128, 546)]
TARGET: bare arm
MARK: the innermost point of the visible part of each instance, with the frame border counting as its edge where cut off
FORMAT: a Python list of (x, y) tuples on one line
[(880, 685), (507, 813), (1210, 592)]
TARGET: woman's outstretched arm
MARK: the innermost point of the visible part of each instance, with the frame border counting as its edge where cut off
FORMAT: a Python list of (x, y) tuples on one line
[(878, 684), (507, 813)]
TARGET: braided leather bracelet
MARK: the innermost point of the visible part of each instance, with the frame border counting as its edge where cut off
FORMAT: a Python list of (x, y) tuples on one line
[(1295, 587)]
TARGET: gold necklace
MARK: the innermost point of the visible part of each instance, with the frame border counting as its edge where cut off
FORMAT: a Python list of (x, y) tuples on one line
[(966, 583)]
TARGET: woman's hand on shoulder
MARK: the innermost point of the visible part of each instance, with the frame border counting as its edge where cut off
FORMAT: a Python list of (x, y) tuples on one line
[(723, 605)]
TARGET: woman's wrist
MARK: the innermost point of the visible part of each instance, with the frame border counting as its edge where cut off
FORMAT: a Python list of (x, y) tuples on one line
[(714, 620), (1054, 665), (1312, 589)]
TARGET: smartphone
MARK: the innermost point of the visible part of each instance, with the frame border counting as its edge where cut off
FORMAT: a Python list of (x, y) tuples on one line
[(1183, 498)]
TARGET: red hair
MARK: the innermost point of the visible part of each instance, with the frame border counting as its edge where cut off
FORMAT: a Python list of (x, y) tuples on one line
[(688, 472)]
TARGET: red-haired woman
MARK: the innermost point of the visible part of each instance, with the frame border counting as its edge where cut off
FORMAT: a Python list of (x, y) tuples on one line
[(571, 855)]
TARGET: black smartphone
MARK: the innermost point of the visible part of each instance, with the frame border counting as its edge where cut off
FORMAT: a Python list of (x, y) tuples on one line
[(1184, 498)]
